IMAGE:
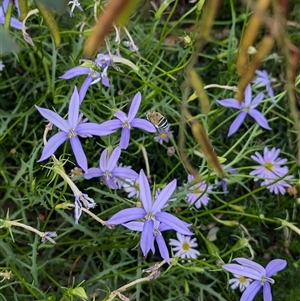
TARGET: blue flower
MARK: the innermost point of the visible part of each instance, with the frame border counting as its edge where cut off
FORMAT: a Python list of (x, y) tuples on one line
[(150, 213), (109, 170), (261, 276), (127, 123), (71, 129), (248, 106)]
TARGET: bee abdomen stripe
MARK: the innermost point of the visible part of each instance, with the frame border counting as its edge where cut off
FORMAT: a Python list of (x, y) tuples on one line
[(163, 123)]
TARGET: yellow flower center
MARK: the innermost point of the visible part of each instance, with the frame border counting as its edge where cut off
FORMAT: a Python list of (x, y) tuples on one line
[(185, 246), (242, 279), (163, 136), (126, 125), (269, 166)]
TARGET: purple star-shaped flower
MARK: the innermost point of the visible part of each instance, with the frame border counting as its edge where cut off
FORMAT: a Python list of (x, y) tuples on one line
[(95, 70), (163, 136), (262, 79), (151, 212), (246, 107), (71, 129), (156, 236), (260, 275), (109, 170), (126, 123), (15, 23)]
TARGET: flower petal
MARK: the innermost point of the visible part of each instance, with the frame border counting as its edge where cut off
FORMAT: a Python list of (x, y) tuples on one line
[(267, 291), (135, 105), (174, 222), (230, 103), (113, 159), (74, 109), (147, 238), (275, 266), (126, 215), (145, 194), (93, 172), (260, 119), (251, 291), (15, 23), (94, 129), (251, 264), (125, 137), (257, 99), (111, 125), (54, 118), (248, 95), (79, 70), (143, 124), (121, 116), (163, 250), (79, 153), (125, 173), (83, 89), (52, 145), (134, 226), (164, 196), (237, 123), (103, 160)]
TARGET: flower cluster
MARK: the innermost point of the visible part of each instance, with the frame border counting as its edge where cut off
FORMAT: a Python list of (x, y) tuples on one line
[(154, 221), (270, 170), (251, 277)]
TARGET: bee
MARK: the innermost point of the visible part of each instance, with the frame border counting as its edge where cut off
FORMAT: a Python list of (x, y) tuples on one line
[(157, 119)]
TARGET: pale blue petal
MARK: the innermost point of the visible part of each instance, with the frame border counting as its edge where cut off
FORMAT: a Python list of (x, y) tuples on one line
[(241, 270), (93, 172), (260, 119), (267, 291), (74, 109), (145, 194), (126, 215), (230, 103), (164, 196), (275, 266), (83, 89), (52, 145), (248, 95), (94, 129), (103, 160), (237, 123), (121, 116), (113, 159), (79, 70), (134, 226), (124, 172), (54, 118), (112, 125), (251, 264), (105, 81), (143, 124), (251, 291), (79, 153), (174, 222), (257, 99), (5, 5), (163, 250), (110, 182), (125, 137), (147, 238), (15, 23), (135, 105)]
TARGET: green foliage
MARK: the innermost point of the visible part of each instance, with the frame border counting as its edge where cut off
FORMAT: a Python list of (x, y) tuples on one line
[(89, 261)]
